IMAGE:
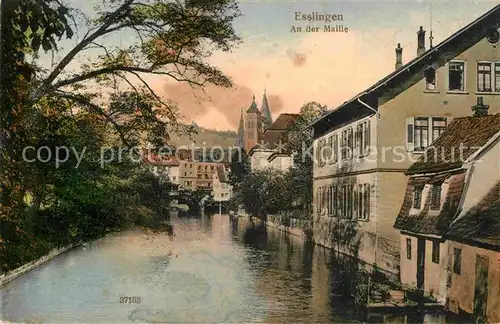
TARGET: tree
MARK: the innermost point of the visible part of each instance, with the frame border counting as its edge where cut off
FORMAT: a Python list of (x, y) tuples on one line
[(240, 169), (108, 101), (300, 145)]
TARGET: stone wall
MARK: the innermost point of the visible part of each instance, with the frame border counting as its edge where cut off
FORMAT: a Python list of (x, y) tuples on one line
[(11, 275)]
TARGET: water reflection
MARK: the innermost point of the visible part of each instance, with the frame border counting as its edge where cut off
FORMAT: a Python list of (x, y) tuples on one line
[(213, 271)]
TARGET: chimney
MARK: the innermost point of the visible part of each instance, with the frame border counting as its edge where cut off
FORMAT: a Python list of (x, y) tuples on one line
[(480, 109), (399, 56), (421, 41)]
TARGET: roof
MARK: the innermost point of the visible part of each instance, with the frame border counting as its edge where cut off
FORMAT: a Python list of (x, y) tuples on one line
[(481, 223), (276, 133), (426, 221), (253, 107), (482, 24), (167, 160), (265, 110), (464, 134), (283, 121)]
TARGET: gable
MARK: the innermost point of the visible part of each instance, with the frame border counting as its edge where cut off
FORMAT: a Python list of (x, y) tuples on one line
[(408, 75)]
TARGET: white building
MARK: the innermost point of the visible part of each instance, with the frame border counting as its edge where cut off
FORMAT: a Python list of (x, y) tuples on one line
[(221, 189), (271, 151)]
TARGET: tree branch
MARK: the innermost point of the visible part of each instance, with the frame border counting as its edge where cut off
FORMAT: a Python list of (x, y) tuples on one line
[(69, 57)]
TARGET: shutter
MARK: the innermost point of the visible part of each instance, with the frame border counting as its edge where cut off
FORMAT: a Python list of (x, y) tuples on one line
[(410, 121), (367, 139)]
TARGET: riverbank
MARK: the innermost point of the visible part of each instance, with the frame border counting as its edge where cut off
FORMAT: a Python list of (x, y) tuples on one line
[(11, 275)]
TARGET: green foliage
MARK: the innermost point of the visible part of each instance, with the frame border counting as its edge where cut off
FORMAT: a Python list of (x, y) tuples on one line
[(270, 192), (44, 205), (240, 169)]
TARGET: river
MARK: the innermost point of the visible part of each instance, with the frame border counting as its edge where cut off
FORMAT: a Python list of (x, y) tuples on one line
[(212, 271)]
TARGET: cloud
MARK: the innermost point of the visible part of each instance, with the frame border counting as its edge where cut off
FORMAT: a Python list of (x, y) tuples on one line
[(215, 107), (296, 58)]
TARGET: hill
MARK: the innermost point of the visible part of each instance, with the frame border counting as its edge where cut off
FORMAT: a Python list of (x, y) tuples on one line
[(211, 137)]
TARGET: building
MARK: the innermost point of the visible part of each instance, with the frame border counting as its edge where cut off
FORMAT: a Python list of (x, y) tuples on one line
[(474, 257), (445, 182), (253, 124), (271, 151), (187, 175), (205, 174), (172, 170), (221, 189), (164, 166), (363, 147)]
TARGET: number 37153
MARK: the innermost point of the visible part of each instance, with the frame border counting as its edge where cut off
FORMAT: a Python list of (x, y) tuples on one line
[(130, 300)]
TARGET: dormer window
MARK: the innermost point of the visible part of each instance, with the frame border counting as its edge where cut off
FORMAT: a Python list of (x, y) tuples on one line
[(417, 197), (430, 79), (435, 196)]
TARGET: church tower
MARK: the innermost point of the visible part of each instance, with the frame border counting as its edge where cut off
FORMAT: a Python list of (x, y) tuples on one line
[(253, 126), (265, 111), (240, 140)]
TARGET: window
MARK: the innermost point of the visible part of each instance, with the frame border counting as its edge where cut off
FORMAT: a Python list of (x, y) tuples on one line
[(417, 197), (329, 200), (421, 133), (430, 79), (497, 77), (350, 143), (435, 251), (408, 248), (436, 196), (484, 77), (493, 36), (327, 151), (320, 156), (349, 202), (343, 201), (438, 127), (355, 203), (343, 145), (362, 138), (366, 137), (360, 201), (456, 76), (488, 77), (457, 261), (335, 149)]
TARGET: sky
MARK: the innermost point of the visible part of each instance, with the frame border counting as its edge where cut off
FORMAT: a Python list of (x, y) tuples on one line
[(330, 68)]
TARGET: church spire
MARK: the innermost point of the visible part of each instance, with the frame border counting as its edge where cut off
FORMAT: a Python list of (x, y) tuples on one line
[(266, 111), (253, 107), (240, 140)]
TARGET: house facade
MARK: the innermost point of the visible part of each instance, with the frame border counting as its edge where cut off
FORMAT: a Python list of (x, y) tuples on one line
[(271, 151), (363, 147), (187, 175), (450, 217), (221, 189), (442, 184), (205, 174)]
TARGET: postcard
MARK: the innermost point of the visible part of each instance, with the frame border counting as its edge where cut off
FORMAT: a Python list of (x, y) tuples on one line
[(237, 161)]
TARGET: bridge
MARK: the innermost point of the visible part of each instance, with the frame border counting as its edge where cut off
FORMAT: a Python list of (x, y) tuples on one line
[(193, 199)]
